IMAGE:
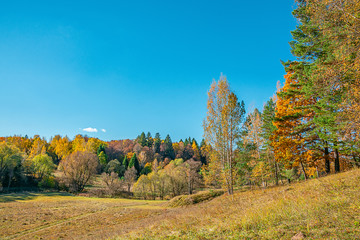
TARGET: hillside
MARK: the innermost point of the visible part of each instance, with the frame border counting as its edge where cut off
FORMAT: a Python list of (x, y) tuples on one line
[(325, 208)]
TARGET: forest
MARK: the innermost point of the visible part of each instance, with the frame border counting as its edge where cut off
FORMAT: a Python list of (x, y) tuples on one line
[(308, 129)]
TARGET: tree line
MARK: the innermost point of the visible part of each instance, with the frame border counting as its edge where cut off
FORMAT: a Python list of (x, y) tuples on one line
[(308, 129)]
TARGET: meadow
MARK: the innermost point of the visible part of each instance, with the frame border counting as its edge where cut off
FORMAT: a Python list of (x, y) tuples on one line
[(324, 208)]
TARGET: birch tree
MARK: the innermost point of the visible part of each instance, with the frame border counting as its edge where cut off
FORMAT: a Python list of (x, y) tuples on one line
[(221, 130)]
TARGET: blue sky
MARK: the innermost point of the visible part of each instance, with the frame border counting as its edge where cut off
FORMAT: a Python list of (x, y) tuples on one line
[(133, 66)]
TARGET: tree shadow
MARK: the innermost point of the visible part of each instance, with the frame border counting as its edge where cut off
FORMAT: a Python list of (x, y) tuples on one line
[(12, 197)]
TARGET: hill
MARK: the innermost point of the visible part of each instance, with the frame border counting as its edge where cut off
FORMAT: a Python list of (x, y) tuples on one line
[(325, 208)]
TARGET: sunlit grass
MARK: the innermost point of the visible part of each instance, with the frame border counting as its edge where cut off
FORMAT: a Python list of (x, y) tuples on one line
[(326, 208)]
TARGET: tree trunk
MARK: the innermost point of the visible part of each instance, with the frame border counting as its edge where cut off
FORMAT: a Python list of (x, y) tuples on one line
[(337, 161), (276, 175), (303, 169), (327, 161)]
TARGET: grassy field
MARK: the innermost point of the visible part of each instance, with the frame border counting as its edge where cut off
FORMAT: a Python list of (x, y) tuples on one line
[(60, 215), (325, 208)]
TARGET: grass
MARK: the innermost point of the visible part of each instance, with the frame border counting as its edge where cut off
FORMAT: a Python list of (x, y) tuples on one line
[(61, 215), (325, 208), (185, 200)]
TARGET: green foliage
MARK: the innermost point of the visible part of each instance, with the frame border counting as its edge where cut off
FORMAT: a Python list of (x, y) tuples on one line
[(101, 148), (125, 162), (116, 167), (102, 159), (157, 143), (146, 170), (42, 166), (168, 148), (142, 139), (10, 163), (134, 162)]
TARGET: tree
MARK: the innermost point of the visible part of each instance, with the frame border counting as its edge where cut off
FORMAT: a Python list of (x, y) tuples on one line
[(79, 143), (10, 160), (116, 167), (42, 166), (221, 129), (134, 162), (290, 141), (125, 162), (142, 139), (78, 168), (130, 177), (102, 159), (112, 182), (192, 173), (101, 148), (168, 148), (157, 143), (149, 140), (268, 128), (61, 146)]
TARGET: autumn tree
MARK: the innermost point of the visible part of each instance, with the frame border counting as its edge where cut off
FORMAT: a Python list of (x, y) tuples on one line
[(42, 166), (112, 182), (78, 168), (10, 161), (221, 129), (130, 177)]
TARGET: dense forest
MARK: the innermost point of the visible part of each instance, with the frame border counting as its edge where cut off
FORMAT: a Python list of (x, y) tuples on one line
[(308, 129)]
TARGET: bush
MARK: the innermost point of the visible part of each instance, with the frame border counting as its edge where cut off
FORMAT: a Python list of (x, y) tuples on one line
[(185, 200)]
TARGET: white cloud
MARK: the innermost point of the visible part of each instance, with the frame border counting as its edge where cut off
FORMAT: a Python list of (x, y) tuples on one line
[(89, 129), (103, 130)]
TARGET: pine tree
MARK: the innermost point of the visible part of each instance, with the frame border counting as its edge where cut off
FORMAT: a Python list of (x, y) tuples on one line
[(134, 162), (157, 143), (149, 140), (186, 142), (142, 139), (102, 159), (101, 148), (169, 150), (125, 162)]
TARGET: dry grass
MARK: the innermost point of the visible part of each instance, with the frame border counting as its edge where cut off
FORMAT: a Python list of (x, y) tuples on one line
[(185, 200), (326, 208), (54, 216)]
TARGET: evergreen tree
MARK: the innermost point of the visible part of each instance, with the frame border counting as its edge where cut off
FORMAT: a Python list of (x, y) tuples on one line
[(134, 162), (125, 162), (157, 143), (186, 142), (102, 159), (101, 148), (149, 140), (142, 139), (268, 117), (169, 150)]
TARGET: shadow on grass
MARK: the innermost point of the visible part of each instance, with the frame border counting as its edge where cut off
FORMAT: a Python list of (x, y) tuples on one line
[(11, 197)]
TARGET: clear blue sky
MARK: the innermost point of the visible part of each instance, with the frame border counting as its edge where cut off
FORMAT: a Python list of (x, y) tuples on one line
[(133, 66)]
